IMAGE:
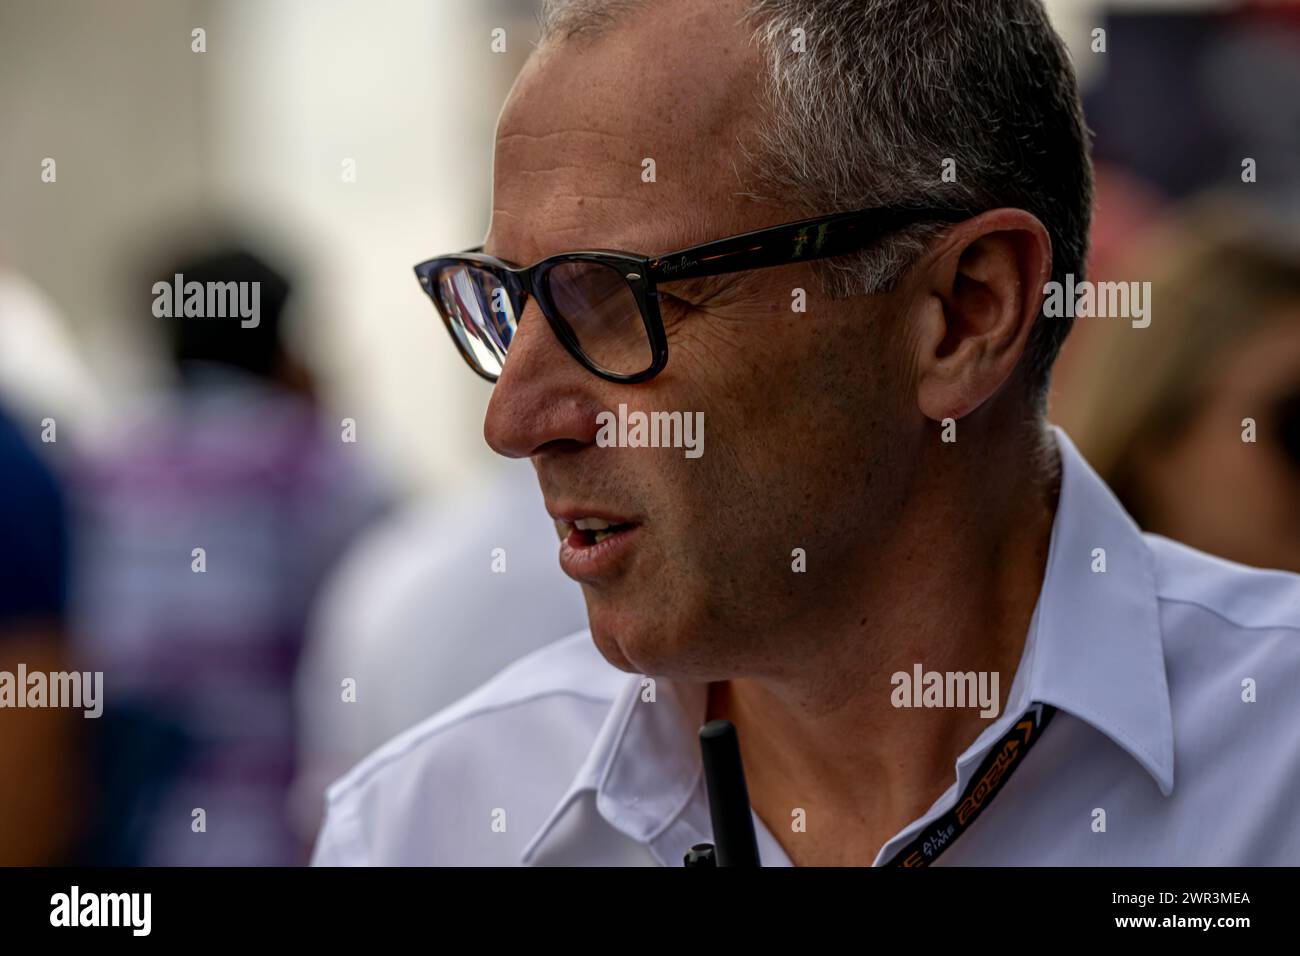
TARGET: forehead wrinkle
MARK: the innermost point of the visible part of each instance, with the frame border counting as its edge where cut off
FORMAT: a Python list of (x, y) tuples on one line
[(637, 221), (566, 131), (591, 222), (570, 148), (568, 175), (551, 202), (526, 144), (679, 111)]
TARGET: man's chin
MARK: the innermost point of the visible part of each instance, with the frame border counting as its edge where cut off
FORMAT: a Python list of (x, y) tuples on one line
[(614, 631), (630, 640), (646, 643)]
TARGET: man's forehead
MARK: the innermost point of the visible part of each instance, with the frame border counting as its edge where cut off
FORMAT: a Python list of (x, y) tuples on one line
[(624, 137)]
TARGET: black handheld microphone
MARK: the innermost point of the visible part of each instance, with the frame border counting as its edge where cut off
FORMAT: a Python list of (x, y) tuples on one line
[(735, 843)]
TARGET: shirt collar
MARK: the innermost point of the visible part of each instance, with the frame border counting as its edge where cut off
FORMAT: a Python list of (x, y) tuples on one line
[(644, 768), (1094, 650), (1097, 649)]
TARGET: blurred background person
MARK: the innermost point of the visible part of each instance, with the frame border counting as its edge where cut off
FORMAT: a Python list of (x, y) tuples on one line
[(45, 391), (40, 748), (1183, 99), (1165, 408), (206, 526), (1188, 101)]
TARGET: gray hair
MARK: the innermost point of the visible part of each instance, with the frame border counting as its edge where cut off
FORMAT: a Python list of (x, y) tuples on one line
[(866, 99)]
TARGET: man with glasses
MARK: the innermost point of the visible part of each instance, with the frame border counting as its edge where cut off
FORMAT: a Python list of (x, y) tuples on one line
[(826, 225)]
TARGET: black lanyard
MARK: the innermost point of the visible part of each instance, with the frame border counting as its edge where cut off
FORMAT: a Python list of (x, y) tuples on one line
[(998, 765)]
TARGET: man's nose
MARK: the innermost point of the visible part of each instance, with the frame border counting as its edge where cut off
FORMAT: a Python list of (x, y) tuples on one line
[(542, 394)]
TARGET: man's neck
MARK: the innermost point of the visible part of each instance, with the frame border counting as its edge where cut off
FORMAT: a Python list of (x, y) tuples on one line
[(835, 768)]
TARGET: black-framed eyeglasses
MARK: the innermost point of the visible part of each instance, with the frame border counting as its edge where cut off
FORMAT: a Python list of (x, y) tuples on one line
[(603, 306)]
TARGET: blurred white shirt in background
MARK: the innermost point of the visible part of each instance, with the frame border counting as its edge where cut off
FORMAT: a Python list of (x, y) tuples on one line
[(42, 373), (417, 616)]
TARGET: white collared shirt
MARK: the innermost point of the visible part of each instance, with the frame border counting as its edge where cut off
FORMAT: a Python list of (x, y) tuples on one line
[(1176, 675)]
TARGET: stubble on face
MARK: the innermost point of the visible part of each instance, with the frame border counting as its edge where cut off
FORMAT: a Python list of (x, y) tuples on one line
[(798, 406)]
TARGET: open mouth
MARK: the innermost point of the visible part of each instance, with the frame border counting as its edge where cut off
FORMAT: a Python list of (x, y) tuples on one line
[(595, 549), (586, 532)]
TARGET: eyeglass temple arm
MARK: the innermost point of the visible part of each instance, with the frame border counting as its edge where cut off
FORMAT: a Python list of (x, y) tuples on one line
[(793, 242)]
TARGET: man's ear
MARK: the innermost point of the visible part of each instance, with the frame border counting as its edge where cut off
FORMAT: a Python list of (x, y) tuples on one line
[(978, 296)]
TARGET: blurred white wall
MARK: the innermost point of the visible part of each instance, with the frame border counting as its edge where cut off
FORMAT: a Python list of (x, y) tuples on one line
[(112, 94), (409, 90), (150, 137)]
